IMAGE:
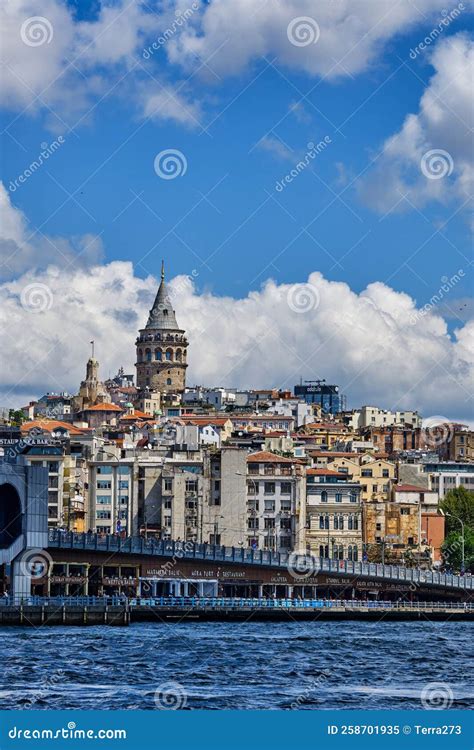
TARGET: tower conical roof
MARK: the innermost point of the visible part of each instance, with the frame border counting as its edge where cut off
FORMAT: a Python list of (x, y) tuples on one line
[(162, 314)]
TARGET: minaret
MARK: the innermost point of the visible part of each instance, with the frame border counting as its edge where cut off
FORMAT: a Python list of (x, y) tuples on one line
[(162, 347)]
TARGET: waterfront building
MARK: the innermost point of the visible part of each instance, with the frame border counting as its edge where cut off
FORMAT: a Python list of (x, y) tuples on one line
[(333, 515), (112, 507), (162, 348), (439, 476), (275, 502)]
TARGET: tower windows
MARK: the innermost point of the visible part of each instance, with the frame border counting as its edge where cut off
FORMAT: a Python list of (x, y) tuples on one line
[(158, 354), (169, 355), (148, 355), (140, 355), (178, 355), (168, 381)]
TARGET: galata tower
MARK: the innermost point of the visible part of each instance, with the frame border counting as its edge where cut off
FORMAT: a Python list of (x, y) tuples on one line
[(162, 347)]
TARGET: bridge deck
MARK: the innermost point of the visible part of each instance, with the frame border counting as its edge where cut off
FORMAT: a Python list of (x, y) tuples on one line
[(299, 565)]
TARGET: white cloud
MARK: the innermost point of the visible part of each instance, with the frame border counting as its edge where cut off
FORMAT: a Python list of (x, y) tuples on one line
[(77, 62), (351, 33), (366, 343), (276, 147), (168, 103), (444, 122), (21, 248)]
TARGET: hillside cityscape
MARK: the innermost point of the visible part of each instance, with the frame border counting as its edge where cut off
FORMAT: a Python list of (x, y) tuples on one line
[(261, 469)]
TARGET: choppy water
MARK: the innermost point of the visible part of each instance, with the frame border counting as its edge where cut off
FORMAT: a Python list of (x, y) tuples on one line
[(253, 665)]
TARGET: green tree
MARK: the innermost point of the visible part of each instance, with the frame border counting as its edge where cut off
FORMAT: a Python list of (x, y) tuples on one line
[(16, 417), (452, 549), (460, 503)]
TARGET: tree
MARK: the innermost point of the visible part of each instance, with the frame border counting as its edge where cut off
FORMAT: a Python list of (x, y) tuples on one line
[(460, 503), (452, 550), (16, 417)]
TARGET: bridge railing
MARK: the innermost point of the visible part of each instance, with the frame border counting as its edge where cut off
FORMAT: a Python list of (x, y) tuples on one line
[(265, 558), (190, 602)]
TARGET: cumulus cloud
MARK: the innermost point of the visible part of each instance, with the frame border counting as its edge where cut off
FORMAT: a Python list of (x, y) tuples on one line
[(373, 344), (57, 65), (276, 147), (430, 158), (328, 39), (22, 248)]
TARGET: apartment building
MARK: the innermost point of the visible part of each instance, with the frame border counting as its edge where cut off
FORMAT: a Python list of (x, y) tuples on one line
[(333, 515), (275, 502)]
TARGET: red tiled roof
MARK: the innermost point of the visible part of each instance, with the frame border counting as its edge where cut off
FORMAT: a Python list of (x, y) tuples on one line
[(134, 416), (104, 407), (49, 425), (267, 457)]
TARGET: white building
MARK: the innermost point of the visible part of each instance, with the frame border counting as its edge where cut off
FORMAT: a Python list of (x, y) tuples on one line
[(373, 416)]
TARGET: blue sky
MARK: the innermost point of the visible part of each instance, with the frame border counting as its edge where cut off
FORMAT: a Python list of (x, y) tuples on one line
[(223, 221)]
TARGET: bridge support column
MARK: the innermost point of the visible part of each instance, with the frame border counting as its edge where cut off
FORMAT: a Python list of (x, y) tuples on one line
[(21, 588), (289, 592), (260, 591)]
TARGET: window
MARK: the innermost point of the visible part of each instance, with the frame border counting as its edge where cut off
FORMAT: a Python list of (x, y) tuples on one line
[(158, 354), (252, 523), (338, 497), (285, 542), (353, 497), (191, 485), (352, 552), (103, 500), (269, 523), (103, 515), (53, 511), (168, 381), (167, 520), (168, 504), (123, 484), (285, 523), (285, 488), (410, 540), (148, 355), (104, 484), (104, 470), (324, 496), (269, 506), (169, 355), (53, 467), (385, 473), (404, 511), (168, 485), (285, 505), (269, 488), (323, 550), (366, 473), (321, 522)]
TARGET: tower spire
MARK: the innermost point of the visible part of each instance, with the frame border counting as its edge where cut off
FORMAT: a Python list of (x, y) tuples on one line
[(162, 270)]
